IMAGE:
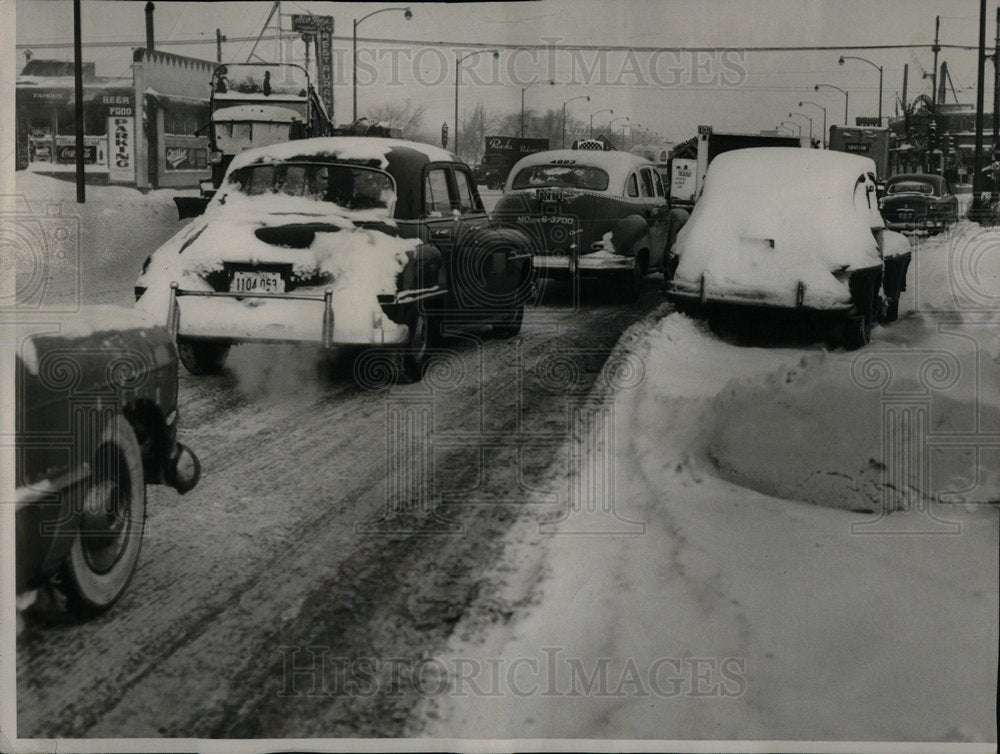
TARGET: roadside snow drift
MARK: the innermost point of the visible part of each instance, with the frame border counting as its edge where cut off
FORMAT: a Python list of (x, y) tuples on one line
[(683, 603)]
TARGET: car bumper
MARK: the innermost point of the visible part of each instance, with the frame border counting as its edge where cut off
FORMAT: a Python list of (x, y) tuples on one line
[(698, 292), (918, 225), (559, 265), (278, 317)]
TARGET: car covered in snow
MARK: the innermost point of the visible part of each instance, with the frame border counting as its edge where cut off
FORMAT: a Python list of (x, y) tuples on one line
[(592, 212), (795, 229), (918, 202), (96, 422), (360, 241)]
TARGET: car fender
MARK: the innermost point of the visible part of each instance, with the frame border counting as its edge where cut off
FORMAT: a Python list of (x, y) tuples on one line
[(629, 235)]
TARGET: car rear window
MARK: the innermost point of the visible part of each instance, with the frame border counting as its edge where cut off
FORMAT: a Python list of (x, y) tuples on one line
[(349, 186), (570, 176), (909, 187)]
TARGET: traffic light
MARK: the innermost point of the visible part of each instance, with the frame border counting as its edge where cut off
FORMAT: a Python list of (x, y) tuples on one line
[(444, 135)]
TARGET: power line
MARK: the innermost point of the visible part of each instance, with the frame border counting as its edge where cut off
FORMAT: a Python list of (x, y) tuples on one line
[(513, 47)]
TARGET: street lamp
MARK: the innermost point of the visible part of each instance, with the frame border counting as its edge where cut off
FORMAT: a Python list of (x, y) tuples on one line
[(816, 104), (407, 14), (571, 99), (879, 69), (523, 90), (831, 86), (810, 125), (496, 55), (793, 123), (612, 122), (606, 110)]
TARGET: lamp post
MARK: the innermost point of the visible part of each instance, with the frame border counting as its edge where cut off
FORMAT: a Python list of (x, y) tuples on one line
[(523, 90), (876, 67), (407, 14), (793, 123), (606, 110), (571, 99), (816, 104), (496, 55), (803, 115), (612, 122), (842, 91)]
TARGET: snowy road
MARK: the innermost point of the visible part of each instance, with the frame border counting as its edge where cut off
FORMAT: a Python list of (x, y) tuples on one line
[(683, 541), (332, 513)]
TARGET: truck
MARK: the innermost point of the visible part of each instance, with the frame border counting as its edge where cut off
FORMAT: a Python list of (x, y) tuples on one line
[(501, 153), (689, 161), (867, 141), (255, 105)]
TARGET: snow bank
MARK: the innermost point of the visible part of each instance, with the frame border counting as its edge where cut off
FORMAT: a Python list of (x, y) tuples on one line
[(770, 218), (707, 610)]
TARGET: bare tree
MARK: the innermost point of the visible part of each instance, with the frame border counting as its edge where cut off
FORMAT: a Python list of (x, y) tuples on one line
[(405, 119), (475, 125)]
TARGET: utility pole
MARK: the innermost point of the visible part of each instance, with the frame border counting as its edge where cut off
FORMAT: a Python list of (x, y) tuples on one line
[(937, 49), (219, 39), (996, 81), (977, 179), (81, 193), (906, 74)]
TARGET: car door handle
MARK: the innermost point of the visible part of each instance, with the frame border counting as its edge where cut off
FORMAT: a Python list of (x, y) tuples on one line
[(440, 233)]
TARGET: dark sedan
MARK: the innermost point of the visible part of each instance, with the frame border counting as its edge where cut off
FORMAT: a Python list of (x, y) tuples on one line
[(918, 202), (96, 422)]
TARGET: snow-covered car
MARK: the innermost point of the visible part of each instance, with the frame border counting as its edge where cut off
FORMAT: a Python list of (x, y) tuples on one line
[(795, 229), (918, 202), (339, 241), (96, 422), (592, 213)]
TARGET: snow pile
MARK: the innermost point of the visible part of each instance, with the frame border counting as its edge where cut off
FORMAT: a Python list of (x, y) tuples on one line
[(706, 610), (770, 218)]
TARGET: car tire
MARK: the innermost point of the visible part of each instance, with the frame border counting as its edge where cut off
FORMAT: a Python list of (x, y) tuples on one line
[(630, 285), (422, 338), (202, 356), (857, 331), (106, 548), (510, 325)]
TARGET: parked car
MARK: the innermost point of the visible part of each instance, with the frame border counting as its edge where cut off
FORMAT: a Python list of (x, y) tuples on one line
[(795, 229), (96, 422), (592, 213), (918, 202), (338, 241)]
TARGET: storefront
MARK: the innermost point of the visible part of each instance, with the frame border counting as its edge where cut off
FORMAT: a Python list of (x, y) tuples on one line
[(147, 131), (45, 116)]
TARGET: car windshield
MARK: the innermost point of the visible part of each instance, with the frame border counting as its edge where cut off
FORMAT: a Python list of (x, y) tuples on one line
[(348, 186), (573, 176), (910, 187)]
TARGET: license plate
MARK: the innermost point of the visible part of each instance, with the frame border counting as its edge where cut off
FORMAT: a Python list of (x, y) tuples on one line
[(257, 282)]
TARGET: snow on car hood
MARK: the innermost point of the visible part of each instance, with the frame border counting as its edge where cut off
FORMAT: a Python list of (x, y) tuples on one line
[(771, 217), (361, 262)]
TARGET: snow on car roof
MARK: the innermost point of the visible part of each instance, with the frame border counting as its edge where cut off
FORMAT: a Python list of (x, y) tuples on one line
[(268, 113), (770, 217), (616, 164), (354, 148)]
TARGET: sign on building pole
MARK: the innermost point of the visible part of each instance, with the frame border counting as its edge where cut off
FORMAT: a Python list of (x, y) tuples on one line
[(321, 30)]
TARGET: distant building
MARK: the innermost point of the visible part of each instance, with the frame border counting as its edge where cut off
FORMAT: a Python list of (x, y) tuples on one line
[(147, 130)]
